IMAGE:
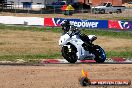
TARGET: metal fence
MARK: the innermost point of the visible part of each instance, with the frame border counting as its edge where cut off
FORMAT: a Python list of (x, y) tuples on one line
[(54, 10), (49, 10)]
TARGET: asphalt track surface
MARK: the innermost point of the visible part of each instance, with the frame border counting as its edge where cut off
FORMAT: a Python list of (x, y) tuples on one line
[(42, 63), (61, 75), (58, 73)]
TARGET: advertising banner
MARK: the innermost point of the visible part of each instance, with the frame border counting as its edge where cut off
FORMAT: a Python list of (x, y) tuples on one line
[(118, 24), (77, 22)]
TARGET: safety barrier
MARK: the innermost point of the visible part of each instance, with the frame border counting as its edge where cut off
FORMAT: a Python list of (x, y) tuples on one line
[(36, 21), (55, 22), (119, 24), (104, 24), (77, 22)]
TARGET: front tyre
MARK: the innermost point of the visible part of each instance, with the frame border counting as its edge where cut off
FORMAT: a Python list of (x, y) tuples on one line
[(69, 54), (103, 11), (99, 53)]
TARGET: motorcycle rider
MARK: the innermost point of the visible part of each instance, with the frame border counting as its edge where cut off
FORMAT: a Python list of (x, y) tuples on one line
[(66, 26)]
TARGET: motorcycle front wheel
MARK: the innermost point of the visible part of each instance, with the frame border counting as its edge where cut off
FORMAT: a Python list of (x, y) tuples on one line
[(99, 53), (70, 56)]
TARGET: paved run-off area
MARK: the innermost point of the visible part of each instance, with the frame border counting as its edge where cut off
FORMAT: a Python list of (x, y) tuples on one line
[(61, 75)]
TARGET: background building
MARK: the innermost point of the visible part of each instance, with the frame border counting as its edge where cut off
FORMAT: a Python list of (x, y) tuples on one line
[(31, 4), (114, 2), (126, 1), (38, 4)]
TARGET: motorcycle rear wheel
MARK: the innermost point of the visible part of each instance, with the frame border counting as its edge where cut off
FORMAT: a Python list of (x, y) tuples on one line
[(69, 56)]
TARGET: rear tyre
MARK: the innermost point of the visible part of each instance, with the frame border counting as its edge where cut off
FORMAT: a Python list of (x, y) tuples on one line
[(99, 53), (118, 11), (69, 56), (110, 12)]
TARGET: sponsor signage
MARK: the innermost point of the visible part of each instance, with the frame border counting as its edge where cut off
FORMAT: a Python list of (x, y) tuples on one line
[(104, 24), (86, 81), (77, 22), (89, 23), (118, 24)]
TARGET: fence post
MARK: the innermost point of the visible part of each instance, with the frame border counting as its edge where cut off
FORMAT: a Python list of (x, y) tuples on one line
[(54, 9)]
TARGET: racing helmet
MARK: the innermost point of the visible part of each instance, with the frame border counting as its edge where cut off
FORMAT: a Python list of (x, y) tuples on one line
[(66, 25)]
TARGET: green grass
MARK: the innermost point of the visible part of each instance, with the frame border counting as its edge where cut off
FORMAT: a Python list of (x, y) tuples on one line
[(57, 55), (125, 54), (28, 57), (11, 27), (110, 33), (98, 32)]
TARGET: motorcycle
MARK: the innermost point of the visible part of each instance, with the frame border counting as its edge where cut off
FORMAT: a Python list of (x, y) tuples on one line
[(73, 48)]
